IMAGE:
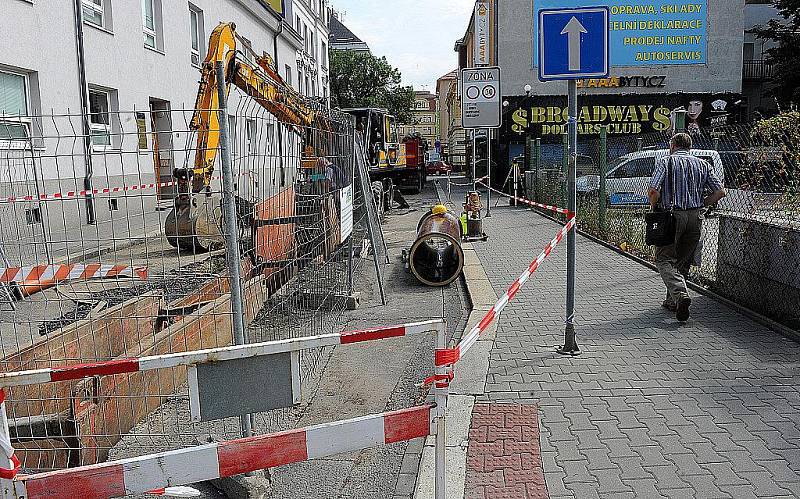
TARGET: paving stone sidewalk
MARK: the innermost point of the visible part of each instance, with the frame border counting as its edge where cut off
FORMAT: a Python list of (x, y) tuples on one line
[(652, 408)]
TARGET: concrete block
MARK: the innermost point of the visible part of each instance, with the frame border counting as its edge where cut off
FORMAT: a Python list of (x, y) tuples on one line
[(456, 459), (245, 487)]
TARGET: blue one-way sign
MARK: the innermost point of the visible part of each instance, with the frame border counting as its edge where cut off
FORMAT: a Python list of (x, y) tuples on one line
[(573, 43)]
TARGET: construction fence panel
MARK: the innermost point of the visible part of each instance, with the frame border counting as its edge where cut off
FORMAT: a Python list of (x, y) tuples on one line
[(750, 248), (88, 275)]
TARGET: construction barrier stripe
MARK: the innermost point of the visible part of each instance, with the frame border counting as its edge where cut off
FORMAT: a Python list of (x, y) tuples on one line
[(5, 443), (93, 192), (221, 460), (131, 365), (448, 357), (55, 273), (549, 207)]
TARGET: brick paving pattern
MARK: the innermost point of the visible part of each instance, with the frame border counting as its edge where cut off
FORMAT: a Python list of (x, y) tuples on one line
[(503, 457), (651, 408)]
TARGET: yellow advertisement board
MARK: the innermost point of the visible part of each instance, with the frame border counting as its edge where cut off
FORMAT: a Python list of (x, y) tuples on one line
[(276, 5)]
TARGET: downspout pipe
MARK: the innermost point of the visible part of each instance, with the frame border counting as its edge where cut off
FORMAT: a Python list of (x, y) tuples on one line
[(280, 132), (84, 92)]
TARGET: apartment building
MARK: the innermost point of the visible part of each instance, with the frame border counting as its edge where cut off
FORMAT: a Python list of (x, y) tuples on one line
[(424, 118), (311, 18), (141, 60)]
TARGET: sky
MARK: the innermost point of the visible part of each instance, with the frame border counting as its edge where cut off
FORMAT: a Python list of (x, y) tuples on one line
[(416, 36)]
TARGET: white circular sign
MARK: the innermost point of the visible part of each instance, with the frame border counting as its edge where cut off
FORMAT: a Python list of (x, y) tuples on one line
[(489, 92), (473, 92)]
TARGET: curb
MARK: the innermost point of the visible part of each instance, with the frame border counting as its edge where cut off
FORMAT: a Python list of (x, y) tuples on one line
[(469, 382)]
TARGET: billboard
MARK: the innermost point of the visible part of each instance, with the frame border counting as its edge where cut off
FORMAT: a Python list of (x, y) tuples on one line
[(632, 114), (482, 33), (278, 6), (653, 33)]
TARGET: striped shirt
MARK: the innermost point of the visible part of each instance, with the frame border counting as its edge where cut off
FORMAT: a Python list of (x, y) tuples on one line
[(691, 180)]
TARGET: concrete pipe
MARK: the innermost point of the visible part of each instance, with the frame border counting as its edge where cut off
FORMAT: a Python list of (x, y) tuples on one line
[(436, 257)]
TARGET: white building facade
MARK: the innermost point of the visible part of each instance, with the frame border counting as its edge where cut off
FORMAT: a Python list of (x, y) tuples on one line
[(142, 67), (310, 18)]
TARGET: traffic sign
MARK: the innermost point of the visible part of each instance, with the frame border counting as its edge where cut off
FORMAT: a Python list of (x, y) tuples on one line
[(573, 43), (480, 102)]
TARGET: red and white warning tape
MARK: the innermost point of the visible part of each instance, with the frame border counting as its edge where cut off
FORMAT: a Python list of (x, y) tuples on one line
[(549, 207), (132, 365), (448, 357), (94, 192), (81, 194), (5, 443), (225, 459), (57, 273)]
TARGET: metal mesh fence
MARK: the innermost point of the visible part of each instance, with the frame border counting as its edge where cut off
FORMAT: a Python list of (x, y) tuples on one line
[(750, 248), (91, 276)]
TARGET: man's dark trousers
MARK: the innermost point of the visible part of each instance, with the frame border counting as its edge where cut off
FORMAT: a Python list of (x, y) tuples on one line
[(673, 261)]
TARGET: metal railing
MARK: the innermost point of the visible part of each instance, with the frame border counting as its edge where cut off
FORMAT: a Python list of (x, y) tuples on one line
[(750, 249)]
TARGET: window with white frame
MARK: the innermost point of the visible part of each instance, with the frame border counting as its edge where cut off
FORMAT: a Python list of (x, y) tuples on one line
[(324, 55), (149, 23), (100, 119), (93, 12), (251, 136), (197, 33), (14, 125), (288, 76)]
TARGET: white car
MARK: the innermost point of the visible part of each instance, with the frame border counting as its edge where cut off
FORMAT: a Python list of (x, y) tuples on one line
[(629, 176)]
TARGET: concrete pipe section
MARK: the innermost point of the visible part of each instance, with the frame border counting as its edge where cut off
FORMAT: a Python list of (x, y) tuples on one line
[(436, 257)]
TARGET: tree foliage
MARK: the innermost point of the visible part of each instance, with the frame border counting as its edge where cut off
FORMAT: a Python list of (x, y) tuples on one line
[(785, 33), (775, 161), (359, 79)]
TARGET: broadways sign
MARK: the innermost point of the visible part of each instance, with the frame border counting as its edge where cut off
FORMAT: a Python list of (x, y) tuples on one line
[(634, 114)]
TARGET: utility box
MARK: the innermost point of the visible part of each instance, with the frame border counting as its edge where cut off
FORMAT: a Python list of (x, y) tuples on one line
[(758, 265)]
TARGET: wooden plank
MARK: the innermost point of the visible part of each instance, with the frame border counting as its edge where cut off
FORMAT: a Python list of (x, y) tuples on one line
[(112, 408)]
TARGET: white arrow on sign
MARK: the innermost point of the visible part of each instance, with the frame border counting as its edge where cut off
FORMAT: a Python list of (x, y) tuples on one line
[(573, 30)]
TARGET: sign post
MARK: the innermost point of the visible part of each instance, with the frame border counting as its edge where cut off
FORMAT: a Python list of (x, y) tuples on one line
[(481, 109), (573, 44)]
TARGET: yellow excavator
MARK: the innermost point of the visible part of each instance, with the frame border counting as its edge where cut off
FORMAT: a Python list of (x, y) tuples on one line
[(195, 222)]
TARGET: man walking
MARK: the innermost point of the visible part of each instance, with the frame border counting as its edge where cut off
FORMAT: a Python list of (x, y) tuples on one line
[(686, 184)]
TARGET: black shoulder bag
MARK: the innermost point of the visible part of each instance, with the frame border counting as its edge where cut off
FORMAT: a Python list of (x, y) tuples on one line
[(660, 223)]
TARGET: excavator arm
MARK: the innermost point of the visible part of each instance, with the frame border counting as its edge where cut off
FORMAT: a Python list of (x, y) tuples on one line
[(193, 222), (261, 83)]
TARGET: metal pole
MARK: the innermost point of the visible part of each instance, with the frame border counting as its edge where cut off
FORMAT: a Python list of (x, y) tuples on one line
[(537, 158), (352, 193), (441, 389), (489, 172), (84, 91), (570, 346), (602, 192), (232, 234), (474, 160)]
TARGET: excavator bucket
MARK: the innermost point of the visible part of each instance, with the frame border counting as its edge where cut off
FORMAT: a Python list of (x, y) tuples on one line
[(196, 226)]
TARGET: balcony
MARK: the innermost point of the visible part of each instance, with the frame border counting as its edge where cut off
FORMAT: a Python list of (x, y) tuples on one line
[(758, 70)]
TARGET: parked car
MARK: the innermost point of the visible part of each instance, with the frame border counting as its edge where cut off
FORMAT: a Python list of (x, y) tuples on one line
[(629, 176), (438, 168)]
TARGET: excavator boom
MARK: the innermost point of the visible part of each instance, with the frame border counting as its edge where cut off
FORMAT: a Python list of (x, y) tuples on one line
[(190, 226)]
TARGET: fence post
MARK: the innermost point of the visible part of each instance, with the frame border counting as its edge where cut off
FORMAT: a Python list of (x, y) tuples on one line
[(230, 224), (442, 388), (601, 195), (537, 158), (564, 170)]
